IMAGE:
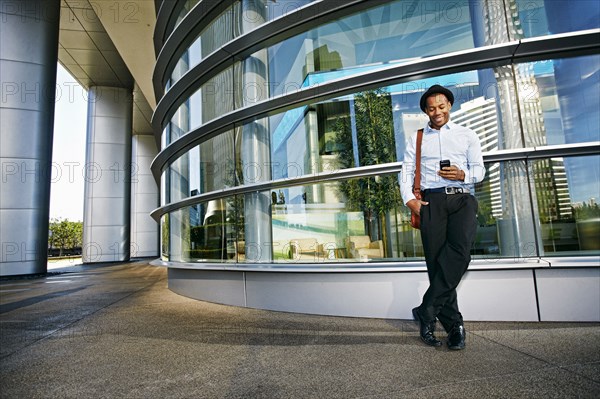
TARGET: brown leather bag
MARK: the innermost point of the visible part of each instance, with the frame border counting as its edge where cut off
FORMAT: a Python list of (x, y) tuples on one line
[(415, 220)]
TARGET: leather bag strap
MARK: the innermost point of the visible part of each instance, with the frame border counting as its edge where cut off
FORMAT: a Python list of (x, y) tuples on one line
[(417, 183)]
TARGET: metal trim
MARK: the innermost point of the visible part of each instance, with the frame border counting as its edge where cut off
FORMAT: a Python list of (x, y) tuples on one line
[(562, 150), (163, 20), (182, 37), (531, 153), (479, 265), (559, 45)]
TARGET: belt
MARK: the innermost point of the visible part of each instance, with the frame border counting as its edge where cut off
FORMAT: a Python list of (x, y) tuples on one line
[(447, 190)]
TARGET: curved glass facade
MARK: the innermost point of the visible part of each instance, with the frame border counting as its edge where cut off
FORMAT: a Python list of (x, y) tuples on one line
[(317, 183), (237, 19)]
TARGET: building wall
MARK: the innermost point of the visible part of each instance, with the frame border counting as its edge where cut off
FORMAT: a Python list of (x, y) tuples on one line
[(310, 125)]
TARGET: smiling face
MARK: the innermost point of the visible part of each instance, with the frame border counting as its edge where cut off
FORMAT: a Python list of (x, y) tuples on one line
[(438, 110)]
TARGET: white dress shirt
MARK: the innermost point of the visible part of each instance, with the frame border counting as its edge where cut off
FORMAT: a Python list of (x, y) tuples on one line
[(454, 142)]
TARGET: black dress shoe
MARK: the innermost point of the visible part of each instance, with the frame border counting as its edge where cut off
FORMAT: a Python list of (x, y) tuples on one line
[(426, 329), (456, 337)]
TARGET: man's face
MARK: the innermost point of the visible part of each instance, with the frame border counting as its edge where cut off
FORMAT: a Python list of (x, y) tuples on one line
[(438, 110)]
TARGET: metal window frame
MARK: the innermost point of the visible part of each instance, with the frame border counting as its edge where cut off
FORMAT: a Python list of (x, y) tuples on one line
[(522, 154), (305, 18), (555, 46)]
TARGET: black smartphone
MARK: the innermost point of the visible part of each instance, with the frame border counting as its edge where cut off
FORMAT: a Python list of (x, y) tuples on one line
[(444, 163)]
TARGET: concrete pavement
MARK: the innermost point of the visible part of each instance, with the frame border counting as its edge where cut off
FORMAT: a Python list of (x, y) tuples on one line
[(116, 331)]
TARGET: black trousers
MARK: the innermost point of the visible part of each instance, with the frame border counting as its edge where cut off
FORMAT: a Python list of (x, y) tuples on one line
[(448, 227)]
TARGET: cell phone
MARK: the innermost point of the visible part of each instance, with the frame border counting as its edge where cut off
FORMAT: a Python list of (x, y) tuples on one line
[(444, 163)]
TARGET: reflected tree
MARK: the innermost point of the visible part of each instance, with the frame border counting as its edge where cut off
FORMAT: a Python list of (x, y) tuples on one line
[(164, 231), (374, 126)]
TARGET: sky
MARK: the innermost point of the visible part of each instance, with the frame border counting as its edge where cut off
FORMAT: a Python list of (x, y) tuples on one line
[(68, 152)]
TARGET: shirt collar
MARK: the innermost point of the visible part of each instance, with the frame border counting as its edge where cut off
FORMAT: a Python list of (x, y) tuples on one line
[(449, 125)]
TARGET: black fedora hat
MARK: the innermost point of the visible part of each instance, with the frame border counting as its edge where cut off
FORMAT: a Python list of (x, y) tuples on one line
[(435, 89)]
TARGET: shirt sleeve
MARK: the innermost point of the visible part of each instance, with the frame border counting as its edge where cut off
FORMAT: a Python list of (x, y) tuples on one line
[(407, 177), (475, 168)]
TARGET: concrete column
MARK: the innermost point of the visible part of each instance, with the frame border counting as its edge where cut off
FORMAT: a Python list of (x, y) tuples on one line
[(28, 57), (144, 198), (106, 208)]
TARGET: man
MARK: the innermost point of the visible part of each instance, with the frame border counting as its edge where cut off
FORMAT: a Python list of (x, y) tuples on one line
[(447, 210)]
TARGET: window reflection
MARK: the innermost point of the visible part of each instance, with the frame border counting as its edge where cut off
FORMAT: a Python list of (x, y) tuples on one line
[(563, 95), (371, 127), (218, 32), (185, 9), (396, 32), (204, 232), (543, 17), (206, 167), (237, 19), (527, 208), (364, 220), (364, 129), (504, 214), (343, 133), (567, 207), (164, 237), (399, 32), (355, 220)]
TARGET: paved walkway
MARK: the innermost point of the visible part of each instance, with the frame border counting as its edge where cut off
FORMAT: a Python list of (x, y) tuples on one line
[(116, 331), (63, 262)]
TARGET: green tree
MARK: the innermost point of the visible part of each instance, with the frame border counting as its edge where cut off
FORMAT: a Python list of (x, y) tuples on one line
[(375, 195), (64, 234)]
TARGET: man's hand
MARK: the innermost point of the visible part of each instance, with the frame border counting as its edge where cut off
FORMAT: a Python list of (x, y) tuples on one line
[(452, 173), (415, 205)]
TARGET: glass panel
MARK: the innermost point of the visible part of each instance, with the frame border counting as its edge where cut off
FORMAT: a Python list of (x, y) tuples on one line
[(217, 98), (164, 138), (505, 216), (394, 33), (178, 179), (559, 100), (164, 193), (358, 130), (229, 25), (204, 232), (213, 36), (371, 128), (211, 164), (179, 124), (278, 8), (164, 237), (567, 204), (237, 207), (212, 100), (543, 17), (185, 9), (206, 167), (253, 161), (355, 220)]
